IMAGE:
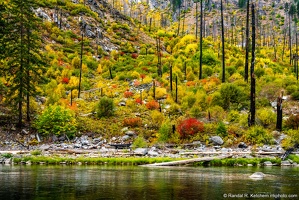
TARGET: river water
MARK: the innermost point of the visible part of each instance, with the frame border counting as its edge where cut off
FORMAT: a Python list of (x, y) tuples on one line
[(128, 182)]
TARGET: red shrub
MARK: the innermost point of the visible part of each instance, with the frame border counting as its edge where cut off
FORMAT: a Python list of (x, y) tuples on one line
[(122, 53), (138, 101), (152, 105), (145, 69), (128, 94), (189, 127), (132, 122), (142, 76), (134, 55), (65, 80)]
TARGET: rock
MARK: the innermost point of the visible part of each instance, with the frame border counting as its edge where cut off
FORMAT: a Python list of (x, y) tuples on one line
[(242, 145), (125, 137), (77, 145), (257, 175), (103, 150), (38, 137), (267, 163), (249, 165), (122, 103), (44, 147), (130, 133), (61, 138), (217, 140), (28, 163), (124, 129), (54, 138), (152, 153), (7, 161), (113, 138), (96, 140), (141, 151), (285, 163)]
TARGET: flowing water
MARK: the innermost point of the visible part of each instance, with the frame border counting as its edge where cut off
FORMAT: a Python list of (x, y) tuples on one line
[(123, 182)]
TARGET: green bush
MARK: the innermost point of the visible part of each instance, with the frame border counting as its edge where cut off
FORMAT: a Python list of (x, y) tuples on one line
[(139, 142), (221, 129), (56, 120), (266, 116), (165, 132), (105, 107), (258, 135)]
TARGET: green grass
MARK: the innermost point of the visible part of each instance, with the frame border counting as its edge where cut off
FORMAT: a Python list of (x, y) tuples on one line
[(93, 161), (240, 161)]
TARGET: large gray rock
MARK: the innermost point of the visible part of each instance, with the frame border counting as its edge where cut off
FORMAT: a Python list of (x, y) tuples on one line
[(257, 175), (130, 133), (217, 140), (141, 151), (267, 163), (44, 147), (153, 153), (285, 163)]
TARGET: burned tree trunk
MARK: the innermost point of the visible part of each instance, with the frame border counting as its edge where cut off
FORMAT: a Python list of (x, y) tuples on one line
[(252, 88), (247, 43), (223, 53)]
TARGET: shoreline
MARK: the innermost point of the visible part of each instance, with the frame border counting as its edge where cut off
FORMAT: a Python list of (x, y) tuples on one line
[(126, 158)]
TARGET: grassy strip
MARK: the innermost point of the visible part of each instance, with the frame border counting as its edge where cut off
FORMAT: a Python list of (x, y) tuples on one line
[(240, 161), (93, 161)]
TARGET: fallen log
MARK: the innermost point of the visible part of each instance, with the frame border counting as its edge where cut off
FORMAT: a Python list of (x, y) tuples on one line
[(188, 161)]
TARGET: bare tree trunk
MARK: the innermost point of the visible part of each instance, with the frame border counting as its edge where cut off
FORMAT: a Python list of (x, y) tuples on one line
[(196, 20), (223, 47), (200, 43), (252, 91), (247, 43), (179, 18), (279, 113), (81, 60), (290, 39)]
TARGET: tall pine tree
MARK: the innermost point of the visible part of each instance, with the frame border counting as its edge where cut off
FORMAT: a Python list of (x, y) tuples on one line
[(22, 51)]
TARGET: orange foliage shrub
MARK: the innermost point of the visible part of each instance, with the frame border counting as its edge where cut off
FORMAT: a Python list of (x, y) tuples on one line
[(128, 94), (152, 105), (132, 122)]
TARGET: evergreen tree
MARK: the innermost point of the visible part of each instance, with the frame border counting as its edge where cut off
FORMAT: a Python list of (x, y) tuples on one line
[(22, 51), (2, 26)]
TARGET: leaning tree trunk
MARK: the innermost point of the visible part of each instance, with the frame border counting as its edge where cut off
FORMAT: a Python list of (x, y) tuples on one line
[(252, 91), (247, 43), (223, 53)]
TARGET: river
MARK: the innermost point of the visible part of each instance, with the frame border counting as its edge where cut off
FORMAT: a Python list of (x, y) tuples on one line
[(133, 182)]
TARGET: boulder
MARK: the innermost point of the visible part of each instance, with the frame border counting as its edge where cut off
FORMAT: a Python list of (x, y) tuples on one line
[(130, 133), (44, 147), (125, 137), (141, 151), (267, 163), (152, 153), (217, 140), (285, 163), (257, 175), (242, 145)]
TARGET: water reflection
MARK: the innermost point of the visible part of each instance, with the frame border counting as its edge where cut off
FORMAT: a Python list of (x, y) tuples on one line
[(103, 182)]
